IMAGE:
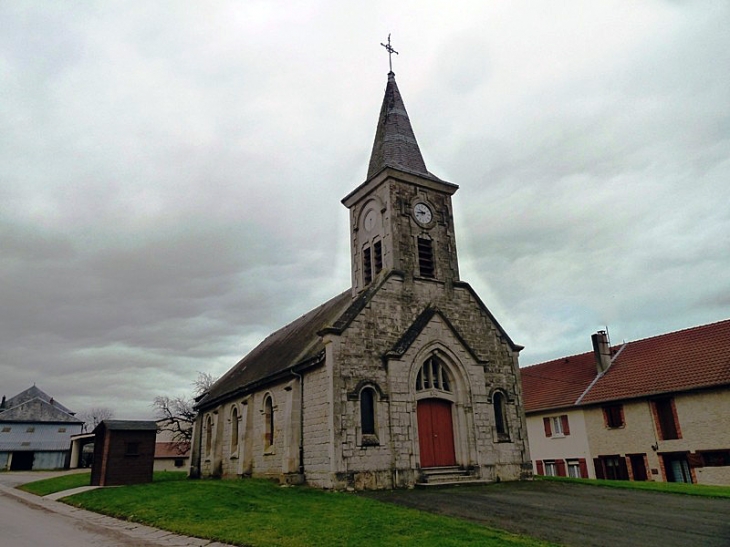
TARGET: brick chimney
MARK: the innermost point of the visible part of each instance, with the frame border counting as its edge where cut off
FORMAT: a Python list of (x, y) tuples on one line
[(601, 350)]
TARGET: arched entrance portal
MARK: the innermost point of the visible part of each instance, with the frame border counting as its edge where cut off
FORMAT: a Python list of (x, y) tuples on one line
[(434, 410), (436, 433)]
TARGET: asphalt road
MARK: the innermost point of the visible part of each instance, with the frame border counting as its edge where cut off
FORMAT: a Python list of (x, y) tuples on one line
[(580, 516)]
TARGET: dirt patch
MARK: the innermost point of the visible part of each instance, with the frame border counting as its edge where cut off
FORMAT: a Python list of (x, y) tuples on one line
[(580, 515)]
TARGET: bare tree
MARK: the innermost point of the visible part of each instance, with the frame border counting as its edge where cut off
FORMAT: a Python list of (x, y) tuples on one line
[(176, 415), (94, 416)]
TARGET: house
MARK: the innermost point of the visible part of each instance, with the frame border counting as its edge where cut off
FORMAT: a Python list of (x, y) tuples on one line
[(406, 377), (171, 454), (654, 409), (124, 452), (35, 431)]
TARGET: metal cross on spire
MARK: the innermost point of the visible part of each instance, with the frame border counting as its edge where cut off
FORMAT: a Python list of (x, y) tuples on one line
[(390, 51)]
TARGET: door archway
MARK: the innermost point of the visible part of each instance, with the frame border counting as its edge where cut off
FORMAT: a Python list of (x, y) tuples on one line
[(434, 385), (436, 433)]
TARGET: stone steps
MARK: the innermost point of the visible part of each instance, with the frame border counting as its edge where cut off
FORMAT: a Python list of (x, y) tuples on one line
[(448, 476)]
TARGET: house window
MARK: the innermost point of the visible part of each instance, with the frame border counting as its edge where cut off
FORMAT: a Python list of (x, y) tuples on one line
[(716, 458), (556, 426), (131, 449), (62, 430), (208, 435), (378, 256), (6, 429), (666, 422), (574, 469), (433, 375), (234, 430), (611, 467), (269, 418), (614, 416), (425, 257), (179, 462), (500, 416), (551, 468), (30, 429), (367, 266)]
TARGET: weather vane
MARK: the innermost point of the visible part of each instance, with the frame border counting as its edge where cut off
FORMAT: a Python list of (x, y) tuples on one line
[(390, 51)]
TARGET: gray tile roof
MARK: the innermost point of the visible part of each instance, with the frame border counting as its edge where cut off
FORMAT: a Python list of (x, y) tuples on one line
[(395, 143), (296, 344)]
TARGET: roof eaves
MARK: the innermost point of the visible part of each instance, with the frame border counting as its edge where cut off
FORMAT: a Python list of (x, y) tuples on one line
[(202, 402)]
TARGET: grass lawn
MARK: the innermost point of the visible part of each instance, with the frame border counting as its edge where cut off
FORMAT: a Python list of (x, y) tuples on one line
[(258, 512), (669, 487), (57, 484)]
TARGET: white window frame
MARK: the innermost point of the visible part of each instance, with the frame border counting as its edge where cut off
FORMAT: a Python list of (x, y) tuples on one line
[(551, 468), (556, 423)]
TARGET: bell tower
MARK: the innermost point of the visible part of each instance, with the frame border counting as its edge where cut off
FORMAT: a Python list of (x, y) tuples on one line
[(401, 217)]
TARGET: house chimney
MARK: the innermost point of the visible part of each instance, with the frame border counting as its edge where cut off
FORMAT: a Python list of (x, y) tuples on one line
[(601, 350), (2, 405)]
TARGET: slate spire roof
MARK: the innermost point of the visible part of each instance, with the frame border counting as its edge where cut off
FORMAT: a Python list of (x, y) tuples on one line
[(395, 144)]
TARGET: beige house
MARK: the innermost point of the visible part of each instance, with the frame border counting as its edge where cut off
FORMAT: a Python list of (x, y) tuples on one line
[(405, 377), (655, 409)]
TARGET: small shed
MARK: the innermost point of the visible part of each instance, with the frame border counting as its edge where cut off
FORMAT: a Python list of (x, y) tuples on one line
[(124, 452)]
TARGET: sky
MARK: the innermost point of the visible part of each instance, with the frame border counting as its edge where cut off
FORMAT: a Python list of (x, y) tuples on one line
[(171, 173)]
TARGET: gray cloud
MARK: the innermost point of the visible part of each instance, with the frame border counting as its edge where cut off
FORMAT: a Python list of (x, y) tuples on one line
[(170, 175)]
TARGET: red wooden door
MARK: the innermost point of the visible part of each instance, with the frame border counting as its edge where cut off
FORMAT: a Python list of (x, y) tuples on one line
[(435, 433)]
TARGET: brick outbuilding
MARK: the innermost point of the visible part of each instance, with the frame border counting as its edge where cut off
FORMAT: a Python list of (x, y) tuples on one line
[(124, 452)]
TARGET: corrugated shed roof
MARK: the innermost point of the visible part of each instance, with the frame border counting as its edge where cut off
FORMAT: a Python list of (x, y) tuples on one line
[(294, 344), (688, 359), (684, 360), (128, 425)]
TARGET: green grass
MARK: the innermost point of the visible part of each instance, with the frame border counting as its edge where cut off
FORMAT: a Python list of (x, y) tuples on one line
[(57, 484), (706, 490), (258, 512)]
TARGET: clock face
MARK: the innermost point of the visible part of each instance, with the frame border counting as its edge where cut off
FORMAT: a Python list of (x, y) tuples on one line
[(423, 213), (371, 219)]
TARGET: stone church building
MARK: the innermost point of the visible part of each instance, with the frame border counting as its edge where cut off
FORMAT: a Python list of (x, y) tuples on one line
[(404, 378)]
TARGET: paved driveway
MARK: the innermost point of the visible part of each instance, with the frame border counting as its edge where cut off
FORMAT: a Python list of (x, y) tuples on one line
[(580, 516)]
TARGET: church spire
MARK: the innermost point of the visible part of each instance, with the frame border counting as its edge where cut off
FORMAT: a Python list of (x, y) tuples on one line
[(395, 144)]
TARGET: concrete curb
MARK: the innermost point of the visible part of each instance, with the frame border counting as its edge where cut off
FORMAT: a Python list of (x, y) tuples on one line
[(146, 535)]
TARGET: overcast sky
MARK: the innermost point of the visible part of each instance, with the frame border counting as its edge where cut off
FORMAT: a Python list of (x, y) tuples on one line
[(171, 173)]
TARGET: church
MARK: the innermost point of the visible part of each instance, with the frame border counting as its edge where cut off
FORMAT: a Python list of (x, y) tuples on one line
[(405, 378)]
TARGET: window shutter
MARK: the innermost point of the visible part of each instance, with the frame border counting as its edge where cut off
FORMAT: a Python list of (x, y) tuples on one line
[(566, 427), (598, 466), (560, 465), (540, 467), (623, 469), (583, 468), (695, 460), (546, 423)]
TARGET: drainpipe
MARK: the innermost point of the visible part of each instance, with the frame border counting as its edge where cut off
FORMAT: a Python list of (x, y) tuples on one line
[(301, 421)]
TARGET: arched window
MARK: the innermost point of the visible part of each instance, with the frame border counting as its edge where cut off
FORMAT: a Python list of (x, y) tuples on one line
[(433, 375), (269, 418), (367, 411), (234, 429), (500, 415), (208, 435)]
